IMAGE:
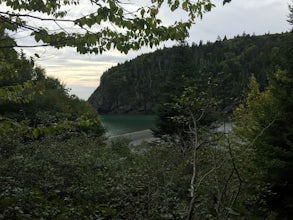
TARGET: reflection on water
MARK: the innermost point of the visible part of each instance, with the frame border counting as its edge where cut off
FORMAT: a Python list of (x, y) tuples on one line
[(121, 124)]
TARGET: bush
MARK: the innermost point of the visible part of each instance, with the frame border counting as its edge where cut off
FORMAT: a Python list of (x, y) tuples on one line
[(83, 178)]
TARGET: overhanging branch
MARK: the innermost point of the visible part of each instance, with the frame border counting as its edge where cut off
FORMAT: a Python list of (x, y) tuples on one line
[(36, 17)]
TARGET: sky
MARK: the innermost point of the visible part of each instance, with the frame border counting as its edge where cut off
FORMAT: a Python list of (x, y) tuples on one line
[(81, 73)]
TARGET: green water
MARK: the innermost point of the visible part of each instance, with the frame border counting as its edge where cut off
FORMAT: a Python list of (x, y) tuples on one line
[(121, 124)]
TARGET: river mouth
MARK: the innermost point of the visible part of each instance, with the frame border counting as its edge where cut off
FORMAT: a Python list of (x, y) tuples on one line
[(123, 124)]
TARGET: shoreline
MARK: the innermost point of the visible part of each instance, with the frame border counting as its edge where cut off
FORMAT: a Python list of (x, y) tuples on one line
[(137, 137)]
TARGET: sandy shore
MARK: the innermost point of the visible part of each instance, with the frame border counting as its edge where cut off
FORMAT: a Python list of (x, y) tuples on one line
[(138, 137)]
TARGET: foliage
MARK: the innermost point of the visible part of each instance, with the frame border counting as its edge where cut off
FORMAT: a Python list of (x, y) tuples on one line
[(109, 23), (33, 105), (257, 120), (264, 122), (182, 111), (82, 178), (215, 183), (54, 163), (146, 82), (43, 131), (290, 16)]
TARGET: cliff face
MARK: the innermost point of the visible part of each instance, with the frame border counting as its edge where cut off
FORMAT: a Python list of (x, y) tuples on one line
[(105, 105), (133, 87), (140, 85), (96, 100)]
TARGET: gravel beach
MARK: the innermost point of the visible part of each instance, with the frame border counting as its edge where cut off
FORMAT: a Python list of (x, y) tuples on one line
[(138, 137)]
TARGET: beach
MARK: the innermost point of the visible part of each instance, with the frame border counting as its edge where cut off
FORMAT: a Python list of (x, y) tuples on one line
[(137, 137)]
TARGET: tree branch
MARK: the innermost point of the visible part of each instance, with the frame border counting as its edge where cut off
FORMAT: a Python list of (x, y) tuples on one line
[(35, 17)]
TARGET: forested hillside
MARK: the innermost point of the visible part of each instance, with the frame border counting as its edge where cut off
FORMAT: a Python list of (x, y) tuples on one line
[(141, 84), (57, 163)]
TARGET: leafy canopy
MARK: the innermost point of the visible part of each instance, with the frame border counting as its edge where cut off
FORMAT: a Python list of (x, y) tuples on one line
[(33, 105), (109, 24)]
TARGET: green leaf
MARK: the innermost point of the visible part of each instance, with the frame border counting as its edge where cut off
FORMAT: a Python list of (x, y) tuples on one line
[(184, 6), (142, 12), (36, 133)]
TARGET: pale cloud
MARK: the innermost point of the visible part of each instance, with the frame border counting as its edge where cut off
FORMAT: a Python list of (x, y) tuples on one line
[(250, 16), (82, 72), (82, 91)]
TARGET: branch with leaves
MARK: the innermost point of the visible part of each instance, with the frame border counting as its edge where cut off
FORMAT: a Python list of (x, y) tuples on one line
[(121, 25)]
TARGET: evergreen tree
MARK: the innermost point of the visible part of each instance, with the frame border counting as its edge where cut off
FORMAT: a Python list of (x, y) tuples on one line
[(290, 16), (265, 122), (154, 78)]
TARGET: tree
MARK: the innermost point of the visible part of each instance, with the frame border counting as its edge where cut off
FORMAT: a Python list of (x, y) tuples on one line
[(290, 16), (33, 105), (110, 24), (214, 180), (15, 73), (154, 78), (264, 124)]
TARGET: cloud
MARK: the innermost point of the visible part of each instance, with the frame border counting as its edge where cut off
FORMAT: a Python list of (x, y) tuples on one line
[(250, 16), (83, 71), (82, 91)]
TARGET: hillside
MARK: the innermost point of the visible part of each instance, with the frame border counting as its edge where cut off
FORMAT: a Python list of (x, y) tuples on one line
[(140, 85)]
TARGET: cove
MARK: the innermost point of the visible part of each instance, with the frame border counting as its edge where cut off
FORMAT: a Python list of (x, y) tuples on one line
[(122, 124)]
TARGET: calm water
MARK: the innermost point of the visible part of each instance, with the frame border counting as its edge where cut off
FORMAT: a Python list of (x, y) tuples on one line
[(121, 124)]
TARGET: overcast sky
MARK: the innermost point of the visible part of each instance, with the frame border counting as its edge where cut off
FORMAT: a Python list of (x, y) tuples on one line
[(81, 73)]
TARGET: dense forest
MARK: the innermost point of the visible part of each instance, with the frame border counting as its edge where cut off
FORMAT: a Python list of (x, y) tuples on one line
[(238, 174), (56, 163), (142, 84)]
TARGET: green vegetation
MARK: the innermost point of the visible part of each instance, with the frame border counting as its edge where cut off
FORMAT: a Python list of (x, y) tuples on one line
[(247, 175), (56, 164), (264, 123), (34, 105), (109, 24), (146, 82), (78, 179)]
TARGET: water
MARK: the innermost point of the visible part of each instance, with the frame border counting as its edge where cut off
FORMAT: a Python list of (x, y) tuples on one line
[(122, 124)]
